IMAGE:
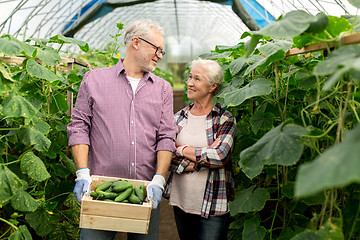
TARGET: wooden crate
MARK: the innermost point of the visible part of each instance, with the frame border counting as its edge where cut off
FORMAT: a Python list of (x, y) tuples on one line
[(120, 217)]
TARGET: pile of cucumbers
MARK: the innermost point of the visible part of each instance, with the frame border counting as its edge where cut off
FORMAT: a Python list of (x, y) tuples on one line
[(119, 191)]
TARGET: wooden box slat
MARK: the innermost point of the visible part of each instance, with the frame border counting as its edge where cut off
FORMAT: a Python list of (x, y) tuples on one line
[(114, 224)]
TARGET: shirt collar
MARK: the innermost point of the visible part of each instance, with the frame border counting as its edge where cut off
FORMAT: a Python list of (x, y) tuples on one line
[(120, 69), (215, 110)]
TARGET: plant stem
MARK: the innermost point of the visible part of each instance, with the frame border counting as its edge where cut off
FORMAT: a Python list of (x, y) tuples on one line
[(331, 202), (286, 95), (9, 163), (9, 129), (354, 223), (277, 203), (276, 82), (9, 223), (324, 209)]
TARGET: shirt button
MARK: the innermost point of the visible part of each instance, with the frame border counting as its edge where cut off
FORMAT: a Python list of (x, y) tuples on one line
[(133, 164), (132, 122), (132, 143)]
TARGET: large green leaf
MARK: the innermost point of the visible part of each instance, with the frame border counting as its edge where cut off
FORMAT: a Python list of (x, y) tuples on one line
[(273, 51), (282, 145), (253, 230), (6, 81), (58, 103), (18, 106), (69, 163), (355, 3), (37, 71), (249, 200), (338, 166), (257, 87), (262, 120), (64, 230), (32, 136), (23, 201), (336, 26), (332, 229), (307, 235), (9, 183), (291, 25), (33, 166), (42, 127), (236, 65), (22, 233), (42, 221), (339, 62), (60, 170), (275, 46), (61, 39), (25, 48), (9, 47), (48, 56)]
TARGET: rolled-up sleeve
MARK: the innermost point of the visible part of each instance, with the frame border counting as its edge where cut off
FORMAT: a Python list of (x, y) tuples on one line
[(216, 155), (167, 128), (79, 127)]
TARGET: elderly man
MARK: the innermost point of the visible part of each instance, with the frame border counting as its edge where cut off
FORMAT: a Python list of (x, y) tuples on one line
[(122, 123)]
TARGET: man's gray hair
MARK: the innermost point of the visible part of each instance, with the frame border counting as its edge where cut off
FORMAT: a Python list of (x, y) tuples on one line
[(141, 28), (214, 71)]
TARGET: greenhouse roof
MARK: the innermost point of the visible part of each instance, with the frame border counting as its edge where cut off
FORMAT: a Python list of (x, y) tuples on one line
[(192, 27)]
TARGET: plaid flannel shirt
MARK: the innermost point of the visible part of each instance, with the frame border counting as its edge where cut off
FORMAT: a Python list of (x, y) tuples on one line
[(220, 133)]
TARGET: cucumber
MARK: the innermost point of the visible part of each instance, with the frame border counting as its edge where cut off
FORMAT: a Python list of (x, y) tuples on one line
[(124, 195), (104, 186), (125, 201), (134, 199), (94, 194), (121, 186), (140, 193), (109, 195)]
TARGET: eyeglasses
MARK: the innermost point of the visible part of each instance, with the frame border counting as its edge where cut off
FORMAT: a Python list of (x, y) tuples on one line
[(158, 50)]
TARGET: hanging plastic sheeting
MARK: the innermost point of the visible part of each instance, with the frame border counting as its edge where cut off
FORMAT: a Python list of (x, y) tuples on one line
[(253, 9), (99, 8), (261, 16), (94, 10)]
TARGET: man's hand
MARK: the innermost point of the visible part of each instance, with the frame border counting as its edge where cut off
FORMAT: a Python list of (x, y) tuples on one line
[(83, 182), (155, 189)]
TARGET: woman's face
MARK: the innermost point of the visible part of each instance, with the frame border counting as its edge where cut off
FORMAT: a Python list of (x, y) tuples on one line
[(198, 84)]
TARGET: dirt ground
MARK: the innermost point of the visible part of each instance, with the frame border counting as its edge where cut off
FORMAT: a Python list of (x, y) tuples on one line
[(167, 228)]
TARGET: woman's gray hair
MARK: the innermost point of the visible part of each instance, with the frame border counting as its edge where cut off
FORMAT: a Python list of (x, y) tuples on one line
[(141, 28), (214, 71)]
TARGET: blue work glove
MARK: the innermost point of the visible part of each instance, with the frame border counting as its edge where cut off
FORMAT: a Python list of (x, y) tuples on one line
[(155, 189), (83, 183)]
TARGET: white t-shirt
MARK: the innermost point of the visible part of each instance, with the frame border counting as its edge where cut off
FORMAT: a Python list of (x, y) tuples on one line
[(187, 189), (134, 83)]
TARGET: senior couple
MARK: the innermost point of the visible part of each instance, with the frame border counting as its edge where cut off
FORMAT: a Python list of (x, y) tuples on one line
[(123, 126)]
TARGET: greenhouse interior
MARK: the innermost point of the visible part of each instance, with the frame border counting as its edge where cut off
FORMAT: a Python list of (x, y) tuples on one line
[(291, 75)]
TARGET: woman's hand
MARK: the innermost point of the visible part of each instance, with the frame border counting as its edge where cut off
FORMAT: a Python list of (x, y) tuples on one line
[(190, 167)]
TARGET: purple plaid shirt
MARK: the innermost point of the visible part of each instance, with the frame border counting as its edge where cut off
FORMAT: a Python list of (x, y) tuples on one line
[(124, 131)]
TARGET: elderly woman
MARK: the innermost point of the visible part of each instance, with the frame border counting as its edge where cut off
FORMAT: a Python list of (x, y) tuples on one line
[(200, 184)]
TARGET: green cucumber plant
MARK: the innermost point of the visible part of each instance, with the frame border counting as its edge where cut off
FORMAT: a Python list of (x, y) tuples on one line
[(36, 173), (296, 156)]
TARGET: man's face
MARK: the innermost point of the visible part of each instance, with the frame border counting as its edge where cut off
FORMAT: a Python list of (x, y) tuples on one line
[(147, 57)]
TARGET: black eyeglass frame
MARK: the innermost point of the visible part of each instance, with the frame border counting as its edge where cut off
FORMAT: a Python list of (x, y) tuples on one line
[(158, 50)]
